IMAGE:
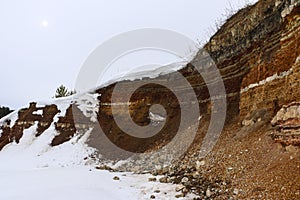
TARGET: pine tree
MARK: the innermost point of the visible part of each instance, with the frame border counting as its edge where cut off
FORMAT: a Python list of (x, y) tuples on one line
[(62, 91)]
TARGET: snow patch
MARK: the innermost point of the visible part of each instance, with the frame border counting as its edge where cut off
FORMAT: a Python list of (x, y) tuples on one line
[(12, 117), (39, 112), (78, 183), (267, 80), (156, 119), (35, 152), (150, 73), (89, 105), (139, 74)]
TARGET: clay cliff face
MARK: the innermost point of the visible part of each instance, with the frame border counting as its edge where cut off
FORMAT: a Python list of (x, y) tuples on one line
[(257, 52)]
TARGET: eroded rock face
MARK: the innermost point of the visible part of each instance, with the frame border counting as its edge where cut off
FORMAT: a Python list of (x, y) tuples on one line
[(27, 117), (287, 123), (253, 46), (257, 43), (258, 54), (274, 79)]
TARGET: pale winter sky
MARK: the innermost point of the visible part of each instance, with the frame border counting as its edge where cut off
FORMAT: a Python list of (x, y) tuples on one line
[(43, 43)]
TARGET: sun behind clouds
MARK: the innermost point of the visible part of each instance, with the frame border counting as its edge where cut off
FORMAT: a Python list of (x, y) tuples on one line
[(45, 23)]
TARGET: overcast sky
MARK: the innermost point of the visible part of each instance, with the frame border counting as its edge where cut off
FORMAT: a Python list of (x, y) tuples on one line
[(43, 43)]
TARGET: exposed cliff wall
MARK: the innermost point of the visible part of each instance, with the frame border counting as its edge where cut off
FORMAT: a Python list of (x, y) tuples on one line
[(257, 52), (258, 43)]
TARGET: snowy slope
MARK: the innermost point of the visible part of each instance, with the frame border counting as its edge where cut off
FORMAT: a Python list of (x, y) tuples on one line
[(34, 170), (79, 183)]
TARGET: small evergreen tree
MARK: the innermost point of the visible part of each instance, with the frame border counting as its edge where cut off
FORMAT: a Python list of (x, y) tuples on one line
[(62, 91), (4, 111)]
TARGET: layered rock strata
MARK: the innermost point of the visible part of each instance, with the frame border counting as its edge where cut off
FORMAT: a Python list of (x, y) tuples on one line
[(287, 124)]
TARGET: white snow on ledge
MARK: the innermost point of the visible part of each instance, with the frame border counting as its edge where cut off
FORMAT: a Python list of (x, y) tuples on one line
[(156, 117), (89, 105), (271, 78), (267, 80)]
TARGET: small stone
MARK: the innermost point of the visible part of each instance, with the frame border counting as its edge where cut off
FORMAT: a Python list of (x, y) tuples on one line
[(248, 122), (180, 195), (156, 191), (199, 164), (185, 191), (163, 180), (196, 175), (208, 192), (184, 180), (152, 197), (116, 178), (235, 191), (179, 188), (193, 188), (104, 167), (172, 179), (158, 167), (259, 120), (152, 179), (291, 149), (164, 170)]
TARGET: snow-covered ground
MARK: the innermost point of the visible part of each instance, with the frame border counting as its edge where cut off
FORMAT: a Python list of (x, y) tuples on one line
[(34, 170), (78, 183)]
